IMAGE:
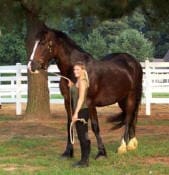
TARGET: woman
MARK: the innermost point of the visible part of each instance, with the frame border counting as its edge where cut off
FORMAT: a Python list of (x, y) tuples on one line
[(80, 110)]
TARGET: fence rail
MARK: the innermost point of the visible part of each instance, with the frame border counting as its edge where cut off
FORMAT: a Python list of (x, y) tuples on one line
[(13, 84)]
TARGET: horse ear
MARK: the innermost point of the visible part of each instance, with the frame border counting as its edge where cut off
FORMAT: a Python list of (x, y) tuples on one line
[(41, 35)]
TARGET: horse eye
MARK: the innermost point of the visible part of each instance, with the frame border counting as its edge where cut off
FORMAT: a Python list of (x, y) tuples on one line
[(42, 42)]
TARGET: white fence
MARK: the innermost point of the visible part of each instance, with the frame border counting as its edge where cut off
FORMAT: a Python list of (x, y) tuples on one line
[(13, 84), (155, 82)]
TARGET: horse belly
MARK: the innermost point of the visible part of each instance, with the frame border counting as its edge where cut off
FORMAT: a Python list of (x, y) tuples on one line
[(112, 94)]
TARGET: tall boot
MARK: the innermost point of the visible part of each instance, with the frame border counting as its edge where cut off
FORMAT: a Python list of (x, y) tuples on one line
[(82, 131), (85, 151)]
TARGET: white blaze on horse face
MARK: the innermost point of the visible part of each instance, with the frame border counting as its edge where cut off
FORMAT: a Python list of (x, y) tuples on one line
[(32, 55)]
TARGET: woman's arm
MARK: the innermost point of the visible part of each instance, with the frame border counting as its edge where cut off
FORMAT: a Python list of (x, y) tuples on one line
[(82, 90)]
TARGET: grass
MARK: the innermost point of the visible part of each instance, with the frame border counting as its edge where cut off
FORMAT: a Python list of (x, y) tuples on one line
[(53, 96), (59, 96), (38, 155), (160, 95), (154, 122)]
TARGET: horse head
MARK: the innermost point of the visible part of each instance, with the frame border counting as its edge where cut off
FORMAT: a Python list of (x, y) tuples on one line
[(43, 51)]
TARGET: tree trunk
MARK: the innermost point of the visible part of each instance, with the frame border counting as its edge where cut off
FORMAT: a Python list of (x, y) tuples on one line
[(38, 95), (38, 92)]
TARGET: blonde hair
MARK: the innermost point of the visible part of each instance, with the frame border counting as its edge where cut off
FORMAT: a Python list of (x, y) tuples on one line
[(85, 74)]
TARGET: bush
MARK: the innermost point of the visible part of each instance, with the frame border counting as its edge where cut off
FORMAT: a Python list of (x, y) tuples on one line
[(133, 42)]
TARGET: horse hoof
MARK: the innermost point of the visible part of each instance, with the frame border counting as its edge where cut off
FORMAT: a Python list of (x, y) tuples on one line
[(122, 149), (101, 154), (67, 154), (132, 145)]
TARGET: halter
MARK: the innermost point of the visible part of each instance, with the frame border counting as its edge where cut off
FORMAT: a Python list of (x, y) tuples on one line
[(32, 55)]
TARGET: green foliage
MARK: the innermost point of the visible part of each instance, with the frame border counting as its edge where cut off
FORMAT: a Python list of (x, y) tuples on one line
[(157, 14), (162, 50), (78, 20), (110, 29), (134, 43), (95, 44), (136, 20), (12, 49), (54, 10)]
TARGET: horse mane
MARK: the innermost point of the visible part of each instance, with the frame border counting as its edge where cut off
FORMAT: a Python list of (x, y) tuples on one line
[(66, 41), (64, 37)]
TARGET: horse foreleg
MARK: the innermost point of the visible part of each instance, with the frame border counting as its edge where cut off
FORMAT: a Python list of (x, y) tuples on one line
[(96, 130), (69, 147)]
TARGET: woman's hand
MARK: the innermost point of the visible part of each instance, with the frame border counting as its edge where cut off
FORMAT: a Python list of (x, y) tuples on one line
[(74, 117)]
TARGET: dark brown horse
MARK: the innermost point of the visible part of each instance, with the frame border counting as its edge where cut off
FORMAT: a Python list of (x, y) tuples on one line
[(115, 78)]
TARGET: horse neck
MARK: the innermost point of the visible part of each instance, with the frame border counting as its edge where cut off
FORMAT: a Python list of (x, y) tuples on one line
[(64, 62), (67, 59)]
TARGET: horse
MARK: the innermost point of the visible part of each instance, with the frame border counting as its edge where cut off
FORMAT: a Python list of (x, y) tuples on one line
[(115, 78)]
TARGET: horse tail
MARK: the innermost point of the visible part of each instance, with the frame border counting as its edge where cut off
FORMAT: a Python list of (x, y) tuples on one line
[(138, 90), (117, 120)]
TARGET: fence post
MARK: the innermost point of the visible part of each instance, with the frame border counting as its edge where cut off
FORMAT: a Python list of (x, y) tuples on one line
[(148, 92), (0, 94), (18, 89)]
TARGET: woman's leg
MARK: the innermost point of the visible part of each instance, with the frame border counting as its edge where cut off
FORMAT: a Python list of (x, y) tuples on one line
[(82, 132)]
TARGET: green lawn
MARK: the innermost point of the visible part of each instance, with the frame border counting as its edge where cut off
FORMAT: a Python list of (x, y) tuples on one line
[(40, 155), (58, 96), (160, 95)]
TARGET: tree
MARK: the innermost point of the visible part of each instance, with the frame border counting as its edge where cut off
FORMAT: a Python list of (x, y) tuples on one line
[(111, 28), (12, 48), (134, 43), (27, 12), (95, 44), (37, 12), (157, 13)]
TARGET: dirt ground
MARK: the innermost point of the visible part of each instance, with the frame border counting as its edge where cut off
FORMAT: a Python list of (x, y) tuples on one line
[(12, 125), (159, 112)]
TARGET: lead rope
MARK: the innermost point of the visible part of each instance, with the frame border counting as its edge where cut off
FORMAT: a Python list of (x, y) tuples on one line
[(71, 130)]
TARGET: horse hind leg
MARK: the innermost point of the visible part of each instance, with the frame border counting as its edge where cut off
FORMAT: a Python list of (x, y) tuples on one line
[(133, 143), (123, 146), (96, 130), (129, 142)]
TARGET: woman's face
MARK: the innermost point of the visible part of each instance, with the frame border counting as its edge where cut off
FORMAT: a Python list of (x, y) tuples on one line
[(77, 71)]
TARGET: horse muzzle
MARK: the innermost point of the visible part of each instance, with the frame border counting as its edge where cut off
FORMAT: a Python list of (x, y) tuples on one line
[(35, 66)]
